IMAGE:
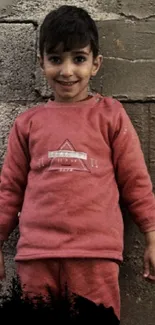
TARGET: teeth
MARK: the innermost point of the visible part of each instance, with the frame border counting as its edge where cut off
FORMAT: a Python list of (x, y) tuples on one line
[(67, 83)]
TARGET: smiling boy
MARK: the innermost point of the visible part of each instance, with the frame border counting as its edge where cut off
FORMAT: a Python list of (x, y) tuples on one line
[(67, 163)]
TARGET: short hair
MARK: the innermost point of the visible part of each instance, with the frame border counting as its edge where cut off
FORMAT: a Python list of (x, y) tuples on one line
[(70, 27)]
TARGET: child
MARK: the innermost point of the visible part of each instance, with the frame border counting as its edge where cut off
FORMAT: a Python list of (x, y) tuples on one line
[(67, 163)]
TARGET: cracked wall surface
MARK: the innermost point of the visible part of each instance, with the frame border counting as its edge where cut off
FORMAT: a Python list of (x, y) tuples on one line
[(139, 9), (127, 43)]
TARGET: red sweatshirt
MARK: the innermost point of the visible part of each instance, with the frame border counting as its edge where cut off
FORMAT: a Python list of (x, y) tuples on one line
[(65, 167)]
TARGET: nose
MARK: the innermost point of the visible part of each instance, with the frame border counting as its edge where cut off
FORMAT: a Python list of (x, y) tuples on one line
[(66, 69)]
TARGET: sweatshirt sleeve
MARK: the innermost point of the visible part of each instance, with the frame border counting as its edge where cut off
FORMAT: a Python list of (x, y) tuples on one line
[(132, 174), (13, 180)]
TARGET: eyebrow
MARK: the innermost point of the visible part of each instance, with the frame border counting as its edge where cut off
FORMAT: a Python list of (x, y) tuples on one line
[(80, 52)]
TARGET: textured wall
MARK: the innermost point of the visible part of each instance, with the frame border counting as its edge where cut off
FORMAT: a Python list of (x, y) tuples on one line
[(127, 33)]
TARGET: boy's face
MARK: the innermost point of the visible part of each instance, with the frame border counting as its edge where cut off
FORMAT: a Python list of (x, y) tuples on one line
[(68, 73)]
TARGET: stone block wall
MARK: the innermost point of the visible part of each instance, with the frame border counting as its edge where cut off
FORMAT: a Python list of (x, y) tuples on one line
[(127, 42)]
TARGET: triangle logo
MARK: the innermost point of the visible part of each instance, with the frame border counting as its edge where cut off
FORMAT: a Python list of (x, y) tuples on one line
[(66, 159)]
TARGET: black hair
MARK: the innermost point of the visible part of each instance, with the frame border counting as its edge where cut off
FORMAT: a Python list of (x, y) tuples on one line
[(68, 27)]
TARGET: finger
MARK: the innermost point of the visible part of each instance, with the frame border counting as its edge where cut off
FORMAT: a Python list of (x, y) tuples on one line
[(146, 268), (2, 271), (151, 278)]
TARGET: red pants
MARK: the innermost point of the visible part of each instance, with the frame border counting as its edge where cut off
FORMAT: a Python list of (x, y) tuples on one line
[(94, 279)]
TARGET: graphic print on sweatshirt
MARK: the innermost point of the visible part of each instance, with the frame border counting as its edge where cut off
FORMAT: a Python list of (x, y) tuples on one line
[(67, 159)]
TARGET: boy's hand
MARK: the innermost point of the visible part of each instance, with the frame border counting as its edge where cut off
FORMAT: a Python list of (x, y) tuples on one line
[(149, 257)]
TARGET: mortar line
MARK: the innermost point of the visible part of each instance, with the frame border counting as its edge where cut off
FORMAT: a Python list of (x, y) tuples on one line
[(19, 21)]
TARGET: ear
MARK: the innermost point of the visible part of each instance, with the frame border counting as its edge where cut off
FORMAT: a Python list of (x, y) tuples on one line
[(97, 64)]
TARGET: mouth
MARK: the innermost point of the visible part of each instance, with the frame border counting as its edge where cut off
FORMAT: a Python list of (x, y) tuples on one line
[(67, 83)]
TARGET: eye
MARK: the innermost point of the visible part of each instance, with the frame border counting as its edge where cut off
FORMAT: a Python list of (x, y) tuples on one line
[(55, 59), (79, 59)]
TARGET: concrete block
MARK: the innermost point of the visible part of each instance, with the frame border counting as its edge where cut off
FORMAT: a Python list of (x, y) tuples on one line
[(4, 3), (132, 40), (125, 79), (139, 9), (107, 5), (128, 67), (36, 10), (17, 61)]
